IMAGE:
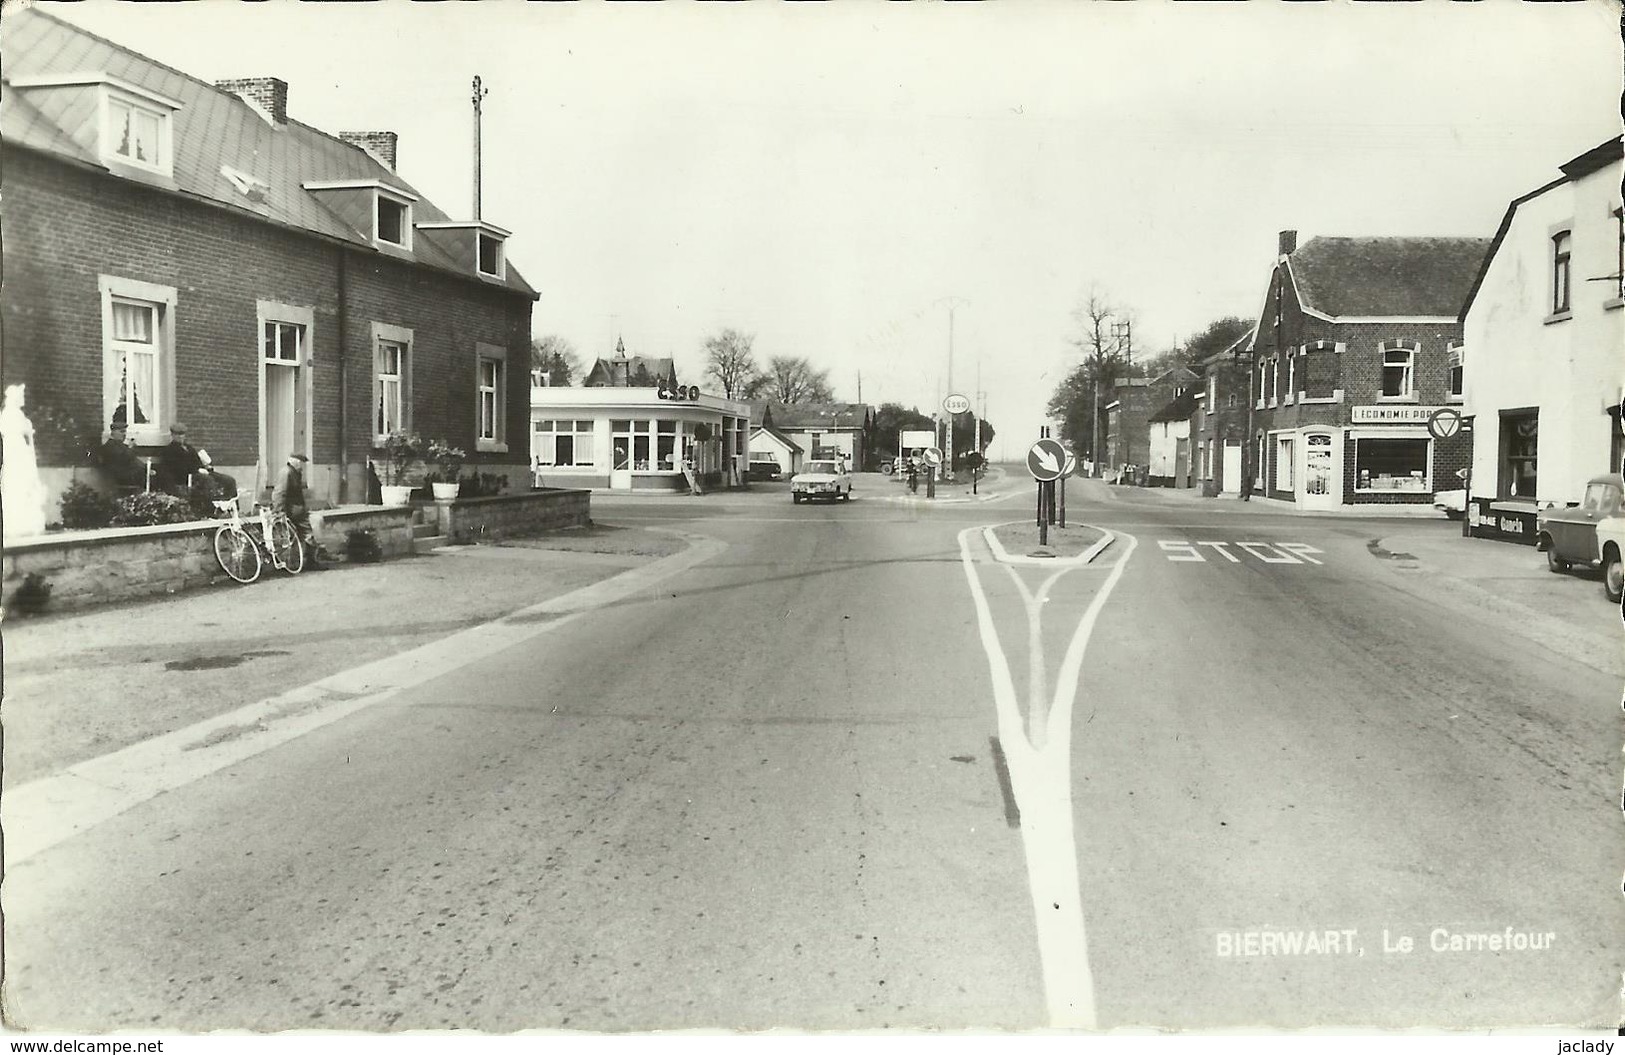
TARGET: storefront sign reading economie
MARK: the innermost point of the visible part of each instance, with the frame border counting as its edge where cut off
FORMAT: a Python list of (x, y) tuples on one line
[(690, 394), (1392, 415)]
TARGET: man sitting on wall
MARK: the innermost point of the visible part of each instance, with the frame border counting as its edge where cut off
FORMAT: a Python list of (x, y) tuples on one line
[(182, 466), (119, 462)]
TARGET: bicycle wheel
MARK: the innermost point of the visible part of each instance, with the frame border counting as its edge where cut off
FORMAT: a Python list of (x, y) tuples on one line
[(287, 548), (238, 556)]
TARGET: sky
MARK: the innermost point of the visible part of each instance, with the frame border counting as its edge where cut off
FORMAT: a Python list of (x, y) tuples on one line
[(916, 197)]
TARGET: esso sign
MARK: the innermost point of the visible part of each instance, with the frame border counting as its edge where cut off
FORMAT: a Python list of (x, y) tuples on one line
[(678, 393), (956, 404)]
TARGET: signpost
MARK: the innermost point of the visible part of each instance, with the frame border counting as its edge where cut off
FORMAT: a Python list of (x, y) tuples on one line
[(954, 405), (1046, 460), (1442, 425), (933, 459)]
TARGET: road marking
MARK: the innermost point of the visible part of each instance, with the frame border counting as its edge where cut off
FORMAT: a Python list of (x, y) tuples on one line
[(42, 813), (1181, 552), (1040, 768), (1254, 547)]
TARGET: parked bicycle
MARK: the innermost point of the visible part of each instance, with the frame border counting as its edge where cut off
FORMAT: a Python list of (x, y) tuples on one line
[(239, 544)]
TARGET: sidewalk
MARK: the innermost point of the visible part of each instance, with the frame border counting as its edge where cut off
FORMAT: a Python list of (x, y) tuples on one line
[(82, 684), (1257, 504)]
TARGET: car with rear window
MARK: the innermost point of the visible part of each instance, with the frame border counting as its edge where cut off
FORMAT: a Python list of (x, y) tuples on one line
[(821, 479), (1573, 534), (765, 469)]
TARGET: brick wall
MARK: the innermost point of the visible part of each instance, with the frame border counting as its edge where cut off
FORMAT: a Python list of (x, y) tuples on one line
[(64, 226), (505, 516)]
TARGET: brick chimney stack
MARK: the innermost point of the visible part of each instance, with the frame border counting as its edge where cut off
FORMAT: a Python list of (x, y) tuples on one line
[(1288, 243), (381, 145), (268, 93)]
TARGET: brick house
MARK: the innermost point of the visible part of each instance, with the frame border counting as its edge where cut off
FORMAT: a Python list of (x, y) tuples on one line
[(1218, 427), (1357, 345), (181, 251), (1544, 326), (824, 430), (1128, 415)]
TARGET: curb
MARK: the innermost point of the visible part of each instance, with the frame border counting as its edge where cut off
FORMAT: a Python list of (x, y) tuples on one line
[(1003, 556), (52, 809)]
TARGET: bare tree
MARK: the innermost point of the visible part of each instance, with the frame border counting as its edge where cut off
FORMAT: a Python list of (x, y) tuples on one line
[(555, 358), (730, 361), (1103, 338), (792, 379)]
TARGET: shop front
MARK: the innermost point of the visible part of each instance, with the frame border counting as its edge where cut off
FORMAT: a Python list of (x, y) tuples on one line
[(637, 439)]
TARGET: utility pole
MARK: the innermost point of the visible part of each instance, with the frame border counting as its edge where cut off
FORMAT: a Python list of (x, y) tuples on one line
[(480, 92)]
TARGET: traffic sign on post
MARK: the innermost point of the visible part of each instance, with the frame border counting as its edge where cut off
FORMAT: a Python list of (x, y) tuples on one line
[(1444, 423), (1046, 460), (933, 457)]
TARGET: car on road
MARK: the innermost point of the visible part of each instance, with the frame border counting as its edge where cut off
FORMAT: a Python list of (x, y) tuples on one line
[(1611, 547), (765, 469), (1452, 504), (1572, 535), (821, 479)]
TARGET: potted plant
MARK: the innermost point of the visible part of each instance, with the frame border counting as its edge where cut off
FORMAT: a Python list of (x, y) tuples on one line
[(449, 459), (401, 448)]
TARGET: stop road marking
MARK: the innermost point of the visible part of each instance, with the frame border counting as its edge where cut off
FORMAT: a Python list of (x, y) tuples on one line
[(1181, 552)]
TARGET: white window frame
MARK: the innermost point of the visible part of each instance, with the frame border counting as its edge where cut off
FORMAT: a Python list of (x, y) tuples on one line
[(502, 254), (1258, 466), (547, 440), (274, 313), (1275, 380), (400, 335), (1455, 359), (113, 288), (1286, 452), (1258, 403), (1384, 350), (497, 439), (1291, 376), (151, 104), (1392, 433), (379, 196)]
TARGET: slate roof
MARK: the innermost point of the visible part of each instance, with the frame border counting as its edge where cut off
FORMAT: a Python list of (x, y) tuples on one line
[(602, 374), (816, 415), (1233, 348), (213, 128), (1179, 408), (1385, 277)]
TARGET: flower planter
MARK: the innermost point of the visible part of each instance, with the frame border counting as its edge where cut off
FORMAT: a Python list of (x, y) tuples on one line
[(396, 494), (445, 492)]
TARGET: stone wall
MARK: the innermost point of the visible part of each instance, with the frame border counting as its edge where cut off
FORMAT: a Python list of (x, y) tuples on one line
[(120, 564), (503, 516)]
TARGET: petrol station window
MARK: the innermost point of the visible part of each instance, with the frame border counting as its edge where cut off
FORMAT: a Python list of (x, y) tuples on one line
[(666, 445), (621, 439), (1392, 464), (642, 434)]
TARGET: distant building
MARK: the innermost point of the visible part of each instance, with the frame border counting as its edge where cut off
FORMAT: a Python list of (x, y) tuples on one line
[(1544, 355), (824, 430), (1169, 457), (769, 443), (1218, 426), (1128, 415), (179, 251), (631, 426), (1354, 350)]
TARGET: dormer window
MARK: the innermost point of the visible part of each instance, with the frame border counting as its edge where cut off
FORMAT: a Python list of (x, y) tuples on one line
[(394, 223), (136, 124), (491, 260)]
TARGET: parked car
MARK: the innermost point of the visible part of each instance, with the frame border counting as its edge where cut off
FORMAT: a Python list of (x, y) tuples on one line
[(1570, 535), (821, 479), (1611, 544), (765, 469), (1452, 504)]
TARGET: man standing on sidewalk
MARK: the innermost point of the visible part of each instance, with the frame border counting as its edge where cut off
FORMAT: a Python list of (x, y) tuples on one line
[(288, 498)]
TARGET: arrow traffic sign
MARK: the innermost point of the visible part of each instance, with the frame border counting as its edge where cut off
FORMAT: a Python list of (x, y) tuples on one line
[(1444, 423), (1046, 460), (933, 457)]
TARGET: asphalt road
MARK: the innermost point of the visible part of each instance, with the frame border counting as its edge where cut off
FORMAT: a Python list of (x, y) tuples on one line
[(850, 774)]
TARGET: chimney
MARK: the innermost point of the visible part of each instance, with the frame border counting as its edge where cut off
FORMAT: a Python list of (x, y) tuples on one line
[(268, 93), (380, 145), (1288, 243)]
